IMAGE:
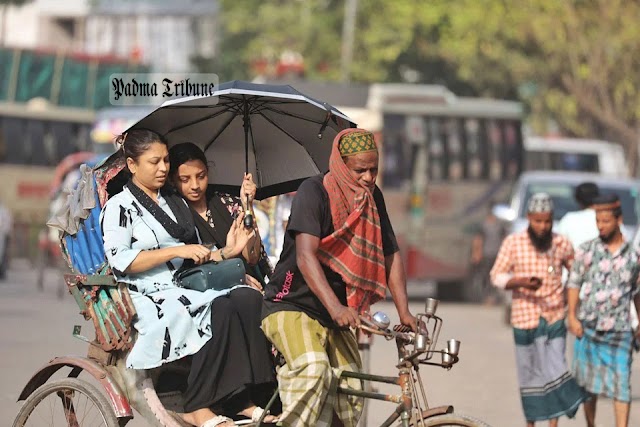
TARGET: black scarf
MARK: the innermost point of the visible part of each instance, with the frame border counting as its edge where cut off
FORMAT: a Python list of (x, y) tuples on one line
[(184, 229), (221, 218)]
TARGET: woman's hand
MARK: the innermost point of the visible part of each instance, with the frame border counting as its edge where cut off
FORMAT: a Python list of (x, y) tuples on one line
[(253, 282), (237, 237), (198, 253), (247, 190)]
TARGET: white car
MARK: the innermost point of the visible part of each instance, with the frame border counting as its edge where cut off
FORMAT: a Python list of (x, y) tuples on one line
[(561, 187), (6, 225)]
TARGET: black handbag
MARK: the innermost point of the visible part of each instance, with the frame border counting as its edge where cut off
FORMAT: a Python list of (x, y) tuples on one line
[(218, 275)]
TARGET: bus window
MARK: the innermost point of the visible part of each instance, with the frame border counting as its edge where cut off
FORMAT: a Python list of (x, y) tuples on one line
[(513, 149), (473, 169), (14, 138), (49, 145), (81, 137), (436, 151), (494, 136), (575, 162), (558, 161), (454, 150), (395, 163), (36, 150), (3, 145)]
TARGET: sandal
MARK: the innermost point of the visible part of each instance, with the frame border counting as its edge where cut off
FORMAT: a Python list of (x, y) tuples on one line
[(216, 421)]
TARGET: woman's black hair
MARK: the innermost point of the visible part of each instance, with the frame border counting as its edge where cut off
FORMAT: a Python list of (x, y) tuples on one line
[(183, 153), (134, 143)]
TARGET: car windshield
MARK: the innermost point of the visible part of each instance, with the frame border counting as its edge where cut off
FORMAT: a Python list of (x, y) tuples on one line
[(563, 200)]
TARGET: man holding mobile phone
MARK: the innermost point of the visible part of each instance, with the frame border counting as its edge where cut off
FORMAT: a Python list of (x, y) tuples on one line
[(529, 264)]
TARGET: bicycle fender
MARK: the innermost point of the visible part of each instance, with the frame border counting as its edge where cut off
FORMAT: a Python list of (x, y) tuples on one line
[(118, 399)]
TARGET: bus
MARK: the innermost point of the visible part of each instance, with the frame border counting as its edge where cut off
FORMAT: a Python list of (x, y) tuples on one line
[(444, 161), (575, 154), (35, 137)]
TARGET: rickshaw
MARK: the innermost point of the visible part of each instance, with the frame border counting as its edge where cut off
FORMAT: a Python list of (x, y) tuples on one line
[(49, 252), (107, 392)]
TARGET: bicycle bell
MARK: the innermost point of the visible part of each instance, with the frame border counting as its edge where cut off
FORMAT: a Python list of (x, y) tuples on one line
[(381, 320)]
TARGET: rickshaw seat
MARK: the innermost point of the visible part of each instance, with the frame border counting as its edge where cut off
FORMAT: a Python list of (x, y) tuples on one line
[(107, 304), (103, 301)]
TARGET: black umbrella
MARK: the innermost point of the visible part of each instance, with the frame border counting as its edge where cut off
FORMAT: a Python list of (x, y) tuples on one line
[(287, 135)]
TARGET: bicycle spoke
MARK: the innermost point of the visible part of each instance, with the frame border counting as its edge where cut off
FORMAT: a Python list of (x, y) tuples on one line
[(66, 407)]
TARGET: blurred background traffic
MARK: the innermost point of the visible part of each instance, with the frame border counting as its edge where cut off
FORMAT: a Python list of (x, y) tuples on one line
[(475, 105)]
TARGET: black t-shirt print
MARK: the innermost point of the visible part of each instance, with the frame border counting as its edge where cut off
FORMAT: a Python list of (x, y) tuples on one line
[(311, 214)]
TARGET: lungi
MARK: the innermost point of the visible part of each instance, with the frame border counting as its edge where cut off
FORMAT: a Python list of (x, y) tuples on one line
[(547, 389), (315, 357), (602, 363)]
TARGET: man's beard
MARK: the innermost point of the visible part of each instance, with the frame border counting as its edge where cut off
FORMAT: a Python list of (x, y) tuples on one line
[(541, 243), (609, 237)]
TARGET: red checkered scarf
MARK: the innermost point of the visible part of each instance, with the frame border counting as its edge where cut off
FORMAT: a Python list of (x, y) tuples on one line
[(354, 249)]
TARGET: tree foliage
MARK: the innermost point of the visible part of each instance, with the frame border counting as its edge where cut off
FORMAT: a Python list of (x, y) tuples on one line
[(574, 62), (578, 59)]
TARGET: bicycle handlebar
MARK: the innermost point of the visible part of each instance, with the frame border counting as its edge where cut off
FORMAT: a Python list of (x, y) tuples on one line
[(368, 326)]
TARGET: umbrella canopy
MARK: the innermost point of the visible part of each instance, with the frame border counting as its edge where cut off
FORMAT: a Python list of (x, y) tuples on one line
[(276, 133)]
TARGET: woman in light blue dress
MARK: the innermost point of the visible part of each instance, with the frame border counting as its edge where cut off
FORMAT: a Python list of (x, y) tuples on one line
[(148, 234)]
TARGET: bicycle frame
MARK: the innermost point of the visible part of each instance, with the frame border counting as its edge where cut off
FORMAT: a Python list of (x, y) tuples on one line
[(412, 400)]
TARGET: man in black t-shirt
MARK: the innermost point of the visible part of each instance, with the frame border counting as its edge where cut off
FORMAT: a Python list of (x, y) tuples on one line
[(340, 254)]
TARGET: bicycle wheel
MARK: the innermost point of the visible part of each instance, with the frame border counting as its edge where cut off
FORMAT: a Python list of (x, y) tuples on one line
[(452, 420), (66, 402)]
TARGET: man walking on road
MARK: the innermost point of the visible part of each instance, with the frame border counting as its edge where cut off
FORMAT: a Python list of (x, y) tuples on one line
[(530, 265), (602, 284), (580, 226), (339, 255)]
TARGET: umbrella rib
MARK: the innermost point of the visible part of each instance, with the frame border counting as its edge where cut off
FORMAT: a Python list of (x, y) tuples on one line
[(255, 155), (272, 102), (279, 127), (194, 122), (226, 125), (295, 116)]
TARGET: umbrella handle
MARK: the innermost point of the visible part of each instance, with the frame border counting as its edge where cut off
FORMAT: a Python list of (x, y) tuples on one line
[(248, 216)]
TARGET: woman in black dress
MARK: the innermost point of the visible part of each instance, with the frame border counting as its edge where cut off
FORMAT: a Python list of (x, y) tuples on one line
[(214, 214)]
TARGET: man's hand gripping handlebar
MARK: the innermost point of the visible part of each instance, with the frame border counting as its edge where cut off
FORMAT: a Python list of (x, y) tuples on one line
[(399, 332)]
